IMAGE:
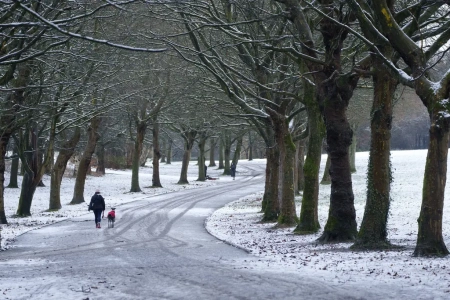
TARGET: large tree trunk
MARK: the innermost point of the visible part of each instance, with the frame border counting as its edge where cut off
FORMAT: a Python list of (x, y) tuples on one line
[(429, 239), (65, 153), (34, 171), (309, 216), (138, 143), (341, 223), (270, 203), (85, 161), (287, 216), (373, 230), (156, 181), (28, 152)]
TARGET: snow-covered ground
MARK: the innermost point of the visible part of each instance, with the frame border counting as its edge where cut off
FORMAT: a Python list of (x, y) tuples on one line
[(114, 187), (238, 224)]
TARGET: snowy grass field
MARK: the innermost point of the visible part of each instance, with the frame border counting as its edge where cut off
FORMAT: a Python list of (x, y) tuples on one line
[(392, 271), (389, 272)]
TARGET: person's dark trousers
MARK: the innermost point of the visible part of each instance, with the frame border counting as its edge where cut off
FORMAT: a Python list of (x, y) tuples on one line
[(98, 215)]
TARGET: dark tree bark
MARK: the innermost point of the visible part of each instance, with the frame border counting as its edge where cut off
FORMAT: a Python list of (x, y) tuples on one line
[(334, 90), (85, 161), (429, 239), (287, 216), (156, 181), (271, 206), (65, 153), (34, 171), (373, 230), (434, 96), (341, 223)]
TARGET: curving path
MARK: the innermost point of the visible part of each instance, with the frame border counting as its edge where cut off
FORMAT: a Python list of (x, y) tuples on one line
[(158, 249)]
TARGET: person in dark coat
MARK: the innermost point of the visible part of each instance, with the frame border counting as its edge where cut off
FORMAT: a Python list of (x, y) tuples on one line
[(98, 206), (233, 170)]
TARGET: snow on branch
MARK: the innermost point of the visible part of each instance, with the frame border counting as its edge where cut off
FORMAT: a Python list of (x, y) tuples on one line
[(89, 38)]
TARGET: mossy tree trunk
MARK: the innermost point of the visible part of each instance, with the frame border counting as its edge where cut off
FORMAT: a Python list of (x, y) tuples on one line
[(85, 160), (434, 96), (34, 171), (65, 153), (309, 215), (373, 230), (189, 140), (156, 180), (141, 127), (429, 239), (287, 216)]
